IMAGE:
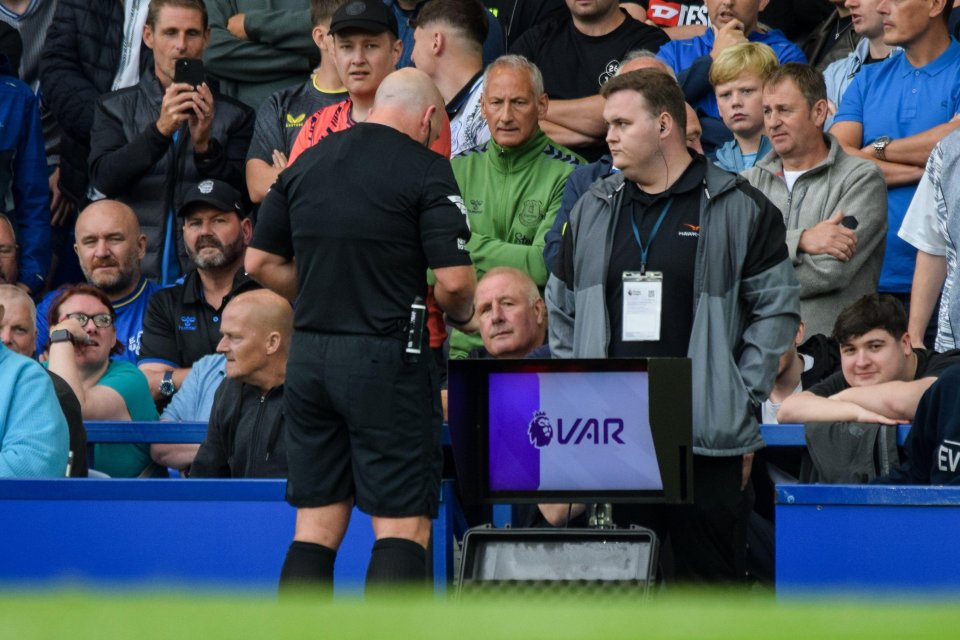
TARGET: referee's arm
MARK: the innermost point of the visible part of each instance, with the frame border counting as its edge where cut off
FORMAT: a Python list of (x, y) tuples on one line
[(277, 273), (454, 293)]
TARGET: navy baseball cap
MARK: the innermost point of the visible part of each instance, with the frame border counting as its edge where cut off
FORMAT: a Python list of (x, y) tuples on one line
[(372, 16), (215, 193)]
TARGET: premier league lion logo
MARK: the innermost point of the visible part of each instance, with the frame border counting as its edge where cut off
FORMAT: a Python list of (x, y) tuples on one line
[(540, 431)]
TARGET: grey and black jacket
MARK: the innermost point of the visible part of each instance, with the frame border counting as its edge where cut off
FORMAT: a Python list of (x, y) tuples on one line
[(747, 305)]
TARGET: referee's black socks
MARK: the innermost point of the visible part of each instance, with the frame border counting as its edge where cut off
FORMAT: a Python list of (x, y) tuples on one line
[(396, 562), (308, 566)]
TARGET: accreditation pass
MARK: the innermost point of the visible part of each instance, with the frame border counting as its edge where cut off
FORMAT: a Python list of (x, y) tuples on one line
[(642, 301)]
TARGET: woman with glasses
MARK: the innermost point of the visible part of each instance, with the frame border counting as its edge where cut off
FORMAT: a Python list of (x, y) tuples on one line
[(82, 341)]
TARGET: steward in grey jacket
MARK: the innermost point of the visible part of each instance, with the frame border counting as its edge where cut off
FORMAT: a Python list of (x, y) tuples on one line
[(746, 306), (131, 161), (245, 434), (839, 183)]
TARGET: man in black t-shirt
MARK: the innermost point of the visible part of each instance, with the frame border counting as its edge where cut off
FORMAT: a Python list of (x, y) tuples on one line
[(577, 53), (881, 377), (350, 230)]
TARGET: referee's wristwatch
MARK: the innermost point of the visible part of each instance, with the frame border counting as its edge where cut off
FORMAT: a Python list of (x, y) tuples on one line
[(880, 147), (167, 388)]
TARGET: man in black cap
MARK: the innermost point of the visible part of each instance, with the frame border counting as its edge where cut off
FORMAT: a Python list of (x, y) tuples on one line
[(183, 322)]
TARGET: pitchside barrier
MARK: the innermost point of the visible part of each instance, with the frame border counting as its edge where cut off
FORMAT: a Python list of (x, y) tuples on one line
[(234, 533)]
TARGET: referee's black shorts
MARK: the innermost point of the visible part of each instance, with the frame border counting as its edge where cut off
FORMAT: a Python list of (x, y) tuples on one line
[(362, 422)]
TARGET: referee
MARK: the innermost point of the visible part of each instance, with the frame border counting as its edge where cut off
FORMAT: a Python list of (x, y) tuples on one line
[(349, 232)]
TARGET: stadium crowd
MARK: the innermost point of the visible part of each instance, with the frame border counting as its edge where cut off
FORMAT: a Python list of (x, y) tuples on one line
[(222, 211)]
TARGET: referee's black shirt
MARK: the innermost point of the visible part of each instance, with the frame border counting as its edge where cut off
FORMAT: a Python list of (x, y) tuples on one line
[(365, 211)]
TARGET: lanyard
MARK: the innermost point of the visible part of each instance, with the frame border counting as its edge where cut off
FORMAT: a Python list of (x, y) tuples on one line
[(656, 227)]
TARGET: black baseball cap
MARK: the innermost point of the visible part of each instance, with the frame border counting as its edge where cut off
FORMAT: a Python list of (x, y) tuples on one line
[(372, 16), (216, 193)]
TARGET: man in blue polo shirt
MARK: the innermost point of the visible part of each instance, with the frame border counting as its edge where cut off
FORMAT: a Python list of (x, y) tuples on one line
[(896, 111), (110, 245), (732, 22)]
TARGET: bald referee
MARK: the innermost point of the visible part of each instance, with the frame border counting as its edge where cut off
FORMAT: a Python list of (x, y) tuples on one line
[(349, 232)]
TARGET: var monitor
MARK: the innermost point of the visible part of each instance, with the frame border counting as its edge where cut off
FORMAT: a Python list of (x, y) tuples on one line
[(611, 430)]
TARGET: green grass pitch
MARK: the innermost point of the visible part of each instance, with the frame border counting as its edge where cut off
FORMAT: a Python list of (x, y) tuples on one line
[(77, 614)]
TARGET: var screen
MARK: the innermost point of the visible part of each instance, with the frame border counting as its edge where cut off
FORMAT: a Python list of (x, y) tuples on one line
[(570, 431)]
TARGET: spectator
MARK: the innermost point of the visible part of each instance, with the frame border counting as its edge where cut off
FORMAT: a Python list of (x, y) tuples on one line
[(731, 23), (90, 50), (706, 223), (407, 14), (881, 378), (577, 53), (153, 141), (82, 339), (932, 450), (737, 76), (110, 247), (833, 204), (833, 39), (193, 402), (512, 185), (930, 225), (281, 116), (182, 323), (34, 441), (18, 332), (801, 366), (582, 177), (258, 47), (448, 48), (23, 177), (366, 49), (512, 315), (922, 89), (245, 438), (868, 23), (9, 271)]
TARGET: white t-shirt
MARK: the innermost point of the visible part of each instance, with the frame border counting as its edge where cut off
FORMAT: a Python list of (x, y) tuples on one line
[(768, 411), (791, 178)]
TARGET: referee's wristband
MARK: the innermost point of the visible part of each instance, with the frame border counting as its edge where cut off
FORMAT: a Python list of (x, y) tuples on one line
[(452, 320)]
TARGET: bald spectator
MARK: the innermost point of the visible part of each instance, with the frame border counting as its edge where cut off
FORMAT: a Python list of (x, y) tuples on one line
[(577, 53), (731, 22), (245, 437), (449, 48), (110, 245), (18, 332)]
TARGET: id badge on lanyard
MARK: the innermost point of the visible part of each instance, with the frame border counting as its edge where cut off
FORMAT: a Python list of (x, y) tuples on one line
[(642, 304)]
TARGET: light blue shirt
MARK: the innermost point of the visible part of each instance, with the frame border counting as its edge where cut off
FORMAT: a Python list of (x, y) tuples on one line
[(194, 400), (894, 98)]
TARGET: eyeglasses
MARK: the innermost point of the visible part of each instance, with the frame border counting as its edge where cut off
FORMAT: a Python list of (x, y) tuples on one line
[(101, 320), (7, 250)]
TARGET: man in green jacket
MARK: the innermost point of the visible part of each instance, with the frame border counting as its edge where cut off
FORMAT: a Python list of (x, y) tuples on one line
[(512, 185)]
